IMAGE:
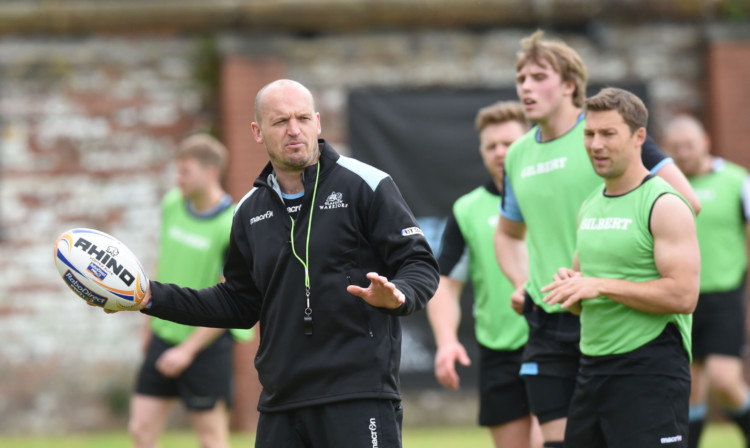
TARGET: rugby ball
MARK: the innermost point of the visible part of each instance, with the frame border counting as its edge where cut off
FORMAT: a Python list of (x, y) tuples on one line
[(100, 269)]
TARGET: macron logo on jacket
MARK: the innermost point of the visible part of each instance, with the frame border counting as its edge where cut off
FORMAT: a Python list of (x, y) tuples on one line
[(266, 215)]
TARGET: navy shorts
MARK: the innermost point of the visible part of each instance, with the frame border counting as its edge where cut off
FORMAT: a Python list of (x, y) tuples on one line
[(551, 359), (502, 392), (207, 380), (719, 324), (626, 411), (364, 423)]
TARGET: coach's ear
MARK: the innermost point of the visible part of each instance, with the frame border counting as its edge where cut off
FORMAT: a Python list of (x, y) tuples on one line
[(257, 135)]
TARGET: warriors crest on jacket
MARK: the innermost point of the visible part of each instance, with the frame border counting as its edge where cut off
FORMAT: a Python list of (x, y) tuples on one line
[(334, 200)]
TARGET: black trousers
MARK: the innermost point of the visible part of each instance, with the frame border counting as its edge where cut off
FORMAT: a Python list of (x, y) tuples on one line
[(347, 424)]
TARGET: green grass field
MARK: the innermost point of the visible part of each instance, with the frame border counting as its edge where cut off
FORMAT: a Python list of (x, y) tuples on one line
[(715, 436)]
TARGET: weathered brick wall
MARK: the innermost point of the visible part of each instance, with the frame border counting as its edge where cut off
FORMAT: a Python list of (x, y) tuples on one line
[(668, 58), (729, 100), (89, 125)]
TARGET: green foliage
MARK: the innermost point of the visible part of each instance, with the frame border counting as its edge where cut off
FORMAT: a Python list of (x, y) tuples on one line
[(206, 62), (737, 10)]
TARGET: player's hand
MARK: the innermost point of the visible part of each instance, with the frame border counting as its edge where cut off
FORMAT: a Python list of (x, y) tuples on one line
[(565, 273), (106, 311), (571, 290), (381, 293), (517, 299), (445, 364), (174, 361)]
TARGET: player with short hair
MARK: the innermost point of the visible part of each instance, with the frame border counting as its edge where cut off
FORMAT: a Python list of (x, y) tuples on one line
[(547, 178), (719, 319), (194, 364), (467, 253), (326, 281), (635, 282)]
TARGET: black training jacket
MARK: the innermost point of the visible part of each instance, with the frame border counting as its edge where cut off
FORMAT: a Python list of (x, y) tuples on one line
[(360, 224)]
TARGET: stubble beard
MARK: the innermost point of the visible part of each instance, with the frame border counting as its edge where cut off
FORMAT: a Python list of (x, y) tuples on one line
[(292, 164)]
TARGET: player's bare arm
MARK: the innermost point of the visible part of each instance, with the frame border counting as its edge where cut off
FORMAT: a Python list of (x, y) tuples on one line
[(512, 256), (444, 314), (677, 259), (672, 174), (175, 360), (381, 293)]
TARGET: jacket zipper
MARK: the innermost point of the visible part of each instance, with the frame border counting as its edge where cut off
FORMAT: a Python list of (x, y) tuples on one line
[(362, 310)]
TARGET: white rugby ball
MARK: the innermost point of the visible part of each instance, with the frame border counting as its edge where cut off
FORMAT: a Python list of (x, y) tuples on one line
[(100, 269)]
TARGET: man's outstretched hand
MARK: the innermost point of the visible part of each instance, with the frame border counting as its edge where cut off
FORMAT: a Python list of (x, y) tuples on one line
[(143, 303), (381, 293)]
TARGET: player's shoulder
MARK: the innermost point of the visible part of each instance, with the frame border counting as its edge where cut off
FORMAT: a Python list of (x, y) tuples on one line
[(518, 149), (720, 165), (667, 198), (593, 196), (671, 207), (525, 140), (172, 202), (468, 200), (475, 194), (172, 196), (227, 212), (657, 186)]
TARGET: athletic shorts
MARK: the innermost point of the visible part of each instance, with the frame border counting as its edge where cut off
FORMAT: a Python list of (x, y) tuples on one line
[(346, 424), (502, 392), (550, 360), (719, 324), (207, 380), (626, 411)]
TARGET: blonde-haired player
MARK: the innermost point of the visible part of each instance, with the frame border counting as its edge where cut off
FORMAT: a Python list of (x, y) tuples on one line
[(467, 253)]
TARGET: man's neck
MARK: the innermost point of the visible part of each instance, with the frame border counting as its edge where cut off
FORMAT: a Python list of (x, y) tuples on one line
[(207, 199), (290, 182), (628, 181), (559, 123)]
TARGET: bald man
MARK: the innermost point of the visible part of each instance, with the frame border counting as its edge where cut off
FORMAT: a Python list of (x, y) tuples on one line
[(719, 320), (326, 255)]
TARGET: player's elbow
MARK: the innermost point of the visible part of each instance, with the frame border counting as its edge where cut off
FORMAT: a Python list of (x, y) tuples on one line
[(687, 305), (688, 300)]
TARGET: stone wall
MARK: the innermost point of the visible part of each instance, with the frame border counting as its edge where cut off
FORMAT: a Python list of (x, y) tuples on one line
[(89, 125), (668, 58)]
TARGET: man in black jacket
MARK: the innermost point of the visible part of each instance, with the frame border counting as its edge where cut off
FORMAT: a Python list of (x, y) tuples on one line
[(326, 255)]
